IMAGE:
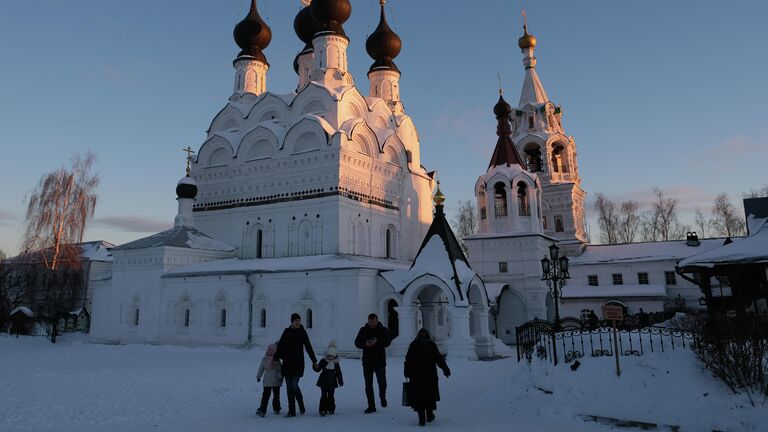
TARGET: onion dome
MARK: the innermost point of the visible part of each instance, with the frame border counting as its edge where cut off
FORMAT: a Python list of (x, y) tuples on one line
[(305, 27), (383, 45), (186, 188), (502, 109), (527, 40), (439, 198), (331, 14), (253, 35)]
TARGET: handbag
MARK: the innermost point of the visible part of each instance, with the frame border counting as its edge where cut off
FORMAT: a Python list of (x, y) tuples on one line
[(406, 393)]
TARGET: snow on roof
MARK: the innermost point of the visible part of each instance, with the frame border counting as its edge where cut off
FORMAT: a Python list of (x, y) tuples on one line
[(434, 260), (181, 237), (750, 249), (96, 251), (643, 252), (613, 291), (23, 309), (269, 265)]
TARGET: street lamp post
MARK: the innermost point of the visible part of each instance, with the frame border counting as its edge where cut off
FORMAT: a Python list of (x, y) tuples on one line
[(555, 271)]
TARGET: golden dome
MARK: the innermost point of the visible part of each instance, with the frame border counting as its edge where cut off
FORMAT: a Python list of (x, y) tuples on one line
[(439, 198), (528, 40)]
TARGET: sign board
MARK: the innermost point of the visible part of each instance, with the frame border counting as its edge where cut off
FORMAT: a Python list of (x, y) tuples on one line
[(613, 313)]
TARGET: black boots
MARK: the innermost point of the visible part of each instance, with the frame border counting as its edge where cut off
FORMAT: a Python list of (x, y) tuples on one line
[(370, 409), (422, 418), (430, 416)]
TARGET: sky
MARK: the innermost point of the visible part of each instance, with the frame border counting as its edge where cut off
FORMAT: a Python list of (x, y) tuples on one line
[(655, 93)]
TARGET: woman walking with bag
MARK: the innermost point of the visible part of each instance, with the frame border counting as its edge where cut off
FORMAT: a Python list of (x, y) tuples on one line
[(421, 363)]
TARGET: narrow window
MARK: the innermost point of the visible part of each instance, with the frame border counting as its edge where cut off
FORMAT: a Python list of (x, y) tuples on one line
[(263, 318), (530, 121), (500, 200), (503, 267), (259, 242), (593, 281), (389, 243), (223, 318), (559, 224), (544, 222), (642, 278), (186, 317), (670, 278), (393, 321), (136, 317), (308, 314), (483, 213), (618, 279)]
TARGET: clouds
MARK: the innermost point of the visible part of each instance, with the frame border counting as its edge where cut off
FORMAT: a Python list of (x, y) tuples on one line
[(8, 218), (134, 224)]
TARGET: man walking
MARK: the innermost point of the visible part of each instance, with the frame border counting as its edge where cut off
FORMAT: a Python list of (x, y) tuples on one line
[(290, 349), (373, 338)]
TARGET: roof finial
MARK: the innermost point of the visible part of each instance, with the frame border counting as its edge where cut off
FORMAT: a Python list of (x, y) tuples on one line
[(527, 40), (501, 92), (525, 19), (439, 198), (189, 152), (382, 2)]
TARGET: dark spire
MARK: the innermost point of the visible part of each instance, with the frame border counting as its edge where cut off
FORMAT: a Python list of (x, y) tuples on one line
[(383, 45), (331, 14), (253, 35), (505, 152)]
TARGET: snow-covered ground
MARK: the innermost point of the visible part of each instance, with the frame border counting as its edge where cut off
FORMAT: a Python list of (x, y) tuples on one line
[(75, 386)]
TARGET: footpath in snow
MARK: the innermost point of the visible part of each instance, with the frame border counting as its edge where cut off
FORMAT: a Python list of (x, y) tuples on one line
[(74, 386)]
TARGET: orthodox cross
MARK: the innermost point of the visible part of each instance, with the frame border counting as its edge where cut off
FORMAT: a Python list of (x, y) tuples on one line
[(525, 18), (189, 152), (498, 75)]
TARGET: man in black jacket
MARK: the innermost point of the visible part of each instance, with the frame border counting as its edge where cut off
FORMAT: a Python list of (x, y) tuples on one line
[(290, 349), (373, 338)]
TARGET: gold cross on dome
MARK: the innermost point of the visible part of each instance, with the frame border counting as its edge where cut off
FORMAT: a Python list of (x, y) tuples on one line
[(189, 152), (498, 75)]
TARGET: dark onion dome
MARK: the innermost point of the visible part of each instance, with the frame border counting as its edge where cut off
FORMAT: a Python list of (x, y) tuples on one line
[(186, 188), (502, 109), (305, 27), (331, 14), (527, 40), (253, 35), (383, 45)]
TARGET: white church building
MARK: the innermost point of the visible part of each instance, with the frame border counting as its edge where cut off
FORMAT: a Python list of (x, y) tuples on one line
[(316, 202)]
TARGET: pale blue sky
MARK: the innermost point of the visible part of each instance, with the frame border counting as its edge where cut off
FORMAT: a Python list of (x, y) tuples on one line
[(659, 92)]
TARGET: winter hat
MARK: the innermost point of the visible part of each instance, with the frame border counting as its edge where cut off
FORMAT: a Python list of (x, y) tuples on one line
[(331, 350), (295, 316)]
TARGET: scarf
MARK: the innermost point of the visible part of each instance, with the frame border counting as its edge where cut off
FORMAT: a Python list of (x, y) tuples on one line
[(270, 355)]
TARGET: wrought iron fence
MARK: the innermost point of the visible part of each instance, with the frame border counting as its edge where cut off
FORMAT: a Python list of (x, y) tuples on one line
[(38, 330), (539, 337)]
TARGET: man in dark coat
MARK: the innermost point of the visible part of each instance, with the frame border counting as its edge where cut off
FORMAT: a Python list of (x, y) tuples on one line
[(290, 350), (421, 363), (373, 338)]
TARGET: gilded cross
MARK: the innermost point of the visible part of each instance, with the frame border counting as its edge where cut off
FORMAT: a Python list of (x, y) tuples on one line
[(189, 152)]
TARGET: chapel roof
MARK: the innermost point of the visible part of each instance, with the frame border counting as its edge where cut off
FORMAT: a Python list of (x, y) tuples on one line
[(179, 237)]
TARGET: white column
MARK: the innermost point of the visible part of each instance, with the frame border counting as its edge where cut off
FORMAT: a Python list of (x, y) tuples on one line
[(385, 84), (460, 344), (482, 336), (407, 319), (305, 62)]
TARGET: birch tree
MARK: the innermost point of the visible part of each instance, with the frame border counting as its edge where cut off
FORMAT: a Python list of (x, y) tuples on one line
[(726, 220), (660, 222), (465, 222), (607, 219), (58, 210)]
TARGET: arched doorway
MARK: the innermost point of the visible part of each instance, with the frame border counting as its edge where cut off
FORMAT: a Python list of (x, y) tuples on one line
[(393, 320), (432, 313), (511, 314)]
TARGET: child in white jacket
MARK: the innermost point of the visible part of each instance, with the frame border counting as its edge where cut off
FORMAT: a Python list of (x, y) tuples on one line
[(273, 379)]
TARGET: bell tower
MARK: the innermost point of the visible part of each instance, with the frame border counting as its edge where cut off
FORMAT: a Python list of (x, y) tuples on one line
[(550, 153)]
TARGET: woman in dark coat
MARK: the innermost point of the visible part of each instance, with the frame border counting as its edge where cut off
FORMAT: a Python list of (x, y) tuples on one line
[(421, 363), (290, 349)]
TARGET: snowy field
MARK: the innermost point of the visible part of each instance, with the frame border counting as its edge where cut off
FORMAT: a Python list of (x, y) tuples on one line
[(75, 386)]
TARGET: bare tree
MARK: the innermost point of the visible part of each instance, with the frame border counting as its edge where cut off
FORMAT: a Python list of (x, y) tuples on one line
[(702, 224), (465, 222), (660, 222), (59, 209), (756, 192), (3, 256), (629, 221), (607, 219), (726, 221)]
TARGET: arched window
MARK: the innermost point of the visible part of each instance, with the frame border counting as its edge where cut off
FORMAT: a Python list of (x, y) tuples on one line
[(500, 200), (263, 318), (533, 158), (136, 317), (481, 203), (530, 121), (524, 208), (223, 318), (389, 243), (186, 317), (308, 314), (558, 162), (259, 242)]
